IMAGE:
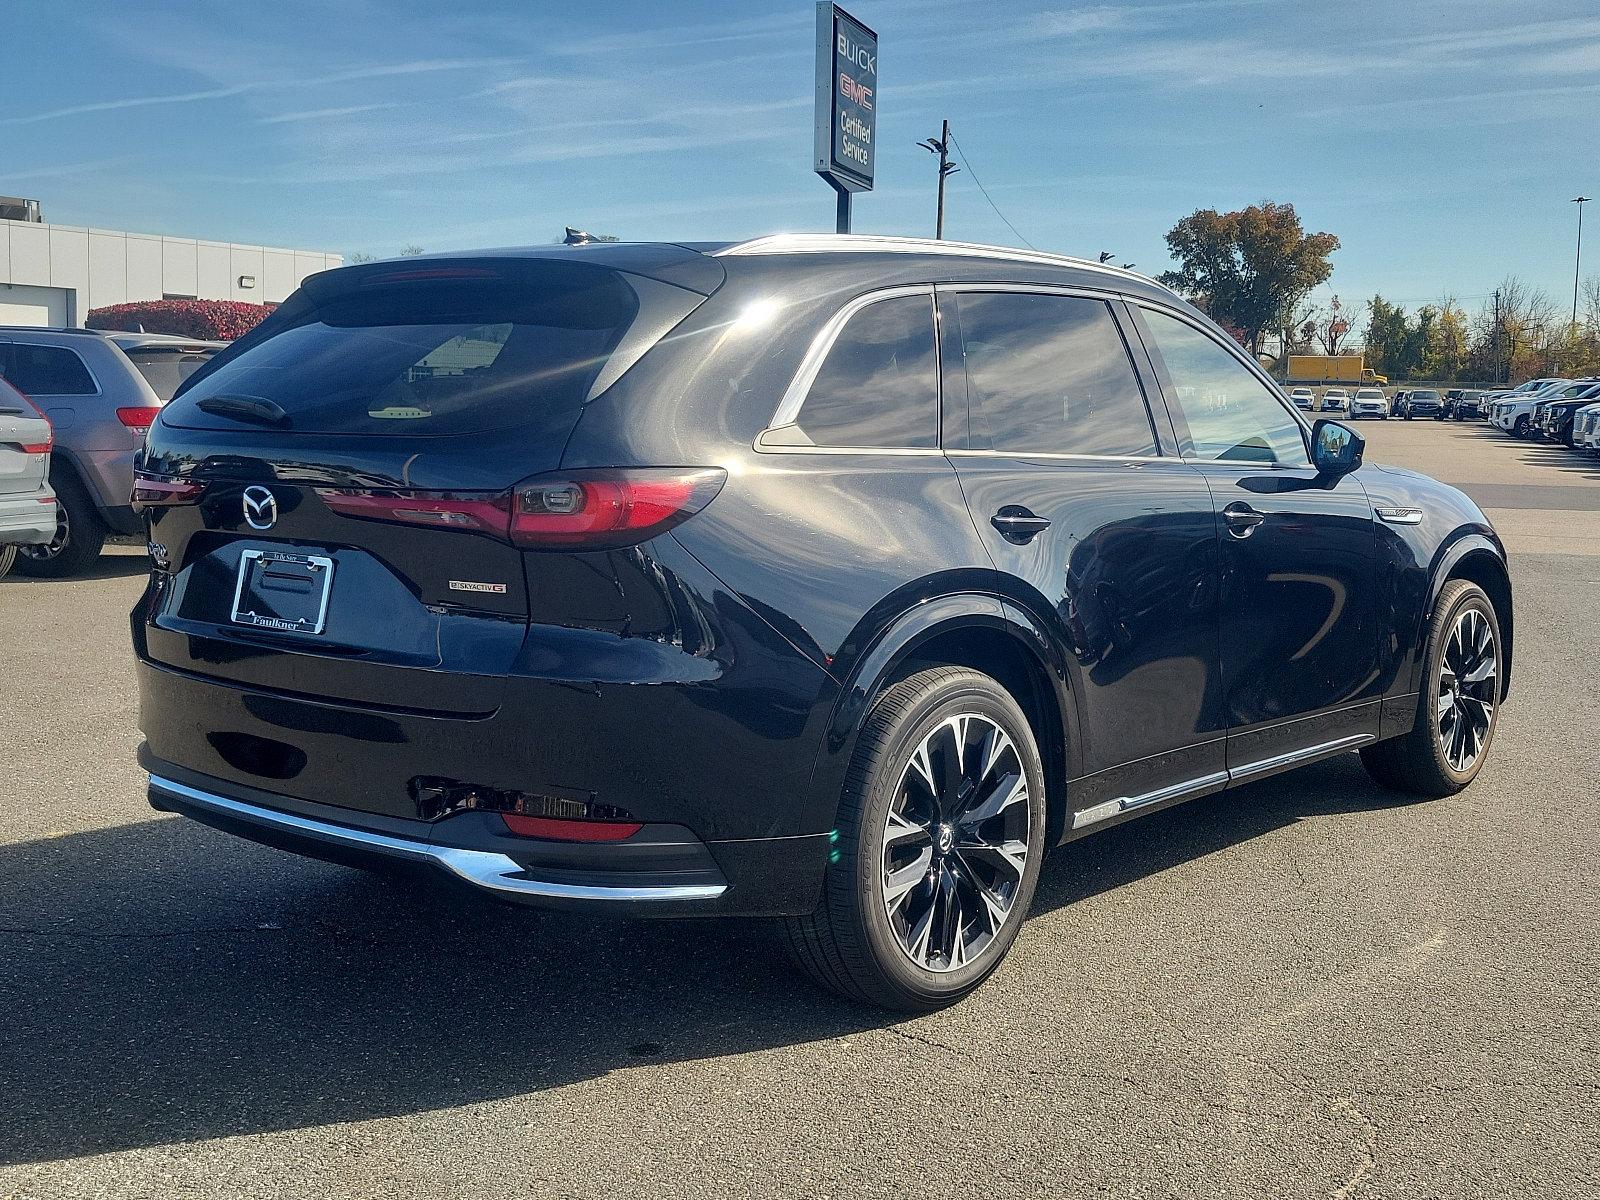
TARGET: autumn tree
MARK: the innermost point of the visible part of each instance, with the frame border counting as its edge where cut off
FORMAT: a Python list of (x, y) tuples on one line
[(1247, 268)]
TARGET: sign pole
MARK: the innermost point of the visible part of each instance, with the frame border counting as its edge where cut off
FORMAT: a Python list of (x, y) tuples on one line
[(846, 107)]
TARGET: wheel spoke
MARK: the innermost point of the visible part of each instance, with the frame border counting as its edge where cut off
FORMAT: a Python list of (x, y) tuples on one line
[(1015, 791), (897, 883), (1446, 705), (899, 831)]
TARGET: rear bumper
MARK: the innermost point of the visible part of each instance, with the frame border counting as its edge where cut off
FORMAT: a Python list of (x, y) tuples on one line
[(28, 519), (662, 871)]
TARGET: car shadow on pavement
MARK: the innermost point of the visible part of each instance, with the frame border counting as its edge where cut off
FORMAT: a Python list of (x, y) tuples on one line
[(108, 566), (165, 983)]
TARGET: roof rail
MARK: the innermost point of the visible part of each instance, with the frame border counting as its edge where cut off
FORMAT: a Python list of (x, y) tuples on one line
[(847, 243), (61, 329)]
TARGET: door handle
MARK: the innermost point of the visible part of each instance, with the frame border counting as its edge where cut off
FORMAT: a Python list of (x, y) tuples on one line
[(1242, 519), (1017, 525)]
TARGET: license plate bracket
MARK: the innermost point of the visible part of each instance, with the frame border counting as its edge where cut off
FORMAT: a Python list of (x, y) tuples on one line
[(283, 591)]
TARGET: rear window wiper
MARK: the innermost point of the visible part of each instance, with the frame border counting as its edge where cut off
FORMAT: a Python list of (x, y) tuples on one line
[(245, 408)]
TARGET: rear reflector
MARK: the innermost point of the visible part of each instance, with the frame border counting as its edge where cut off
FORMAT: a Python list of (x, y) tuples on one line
[(155, 491), (563, 830), (140, 417), (582, 510), (35, 447)]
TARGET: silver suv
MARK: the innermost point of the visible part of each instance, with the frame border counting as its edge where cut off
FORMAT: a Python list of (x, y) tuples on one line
[(101, 391)]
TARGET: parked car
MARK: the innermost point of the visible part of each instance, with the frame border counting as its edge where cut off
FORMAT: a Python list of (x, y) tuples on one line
[(1335, 400), (1551, 395), (648, 578), (1513, 411), (1303, 397), (27, 505), (1555, 417), (1466, 405), (1421, 402), (101, 390), (1369, 402), (1586, 427)]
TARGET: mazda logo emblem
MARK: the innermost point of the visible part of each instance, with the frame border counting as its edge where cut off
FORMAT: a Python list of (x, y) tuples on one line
[(260, 508)]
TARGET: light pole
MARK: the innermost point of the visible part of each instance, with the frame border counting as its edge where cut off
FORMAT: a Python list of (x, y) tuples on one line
[(941, 146), (1577, 261)]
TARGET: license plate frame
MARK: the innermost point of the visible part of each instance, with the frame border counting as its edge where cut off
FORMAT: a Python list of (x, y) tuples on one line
[(280, 571)]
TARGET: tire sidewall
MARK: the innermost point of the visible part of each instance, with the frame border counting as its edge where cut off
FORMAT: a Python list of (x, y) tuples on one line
[(978, 694)]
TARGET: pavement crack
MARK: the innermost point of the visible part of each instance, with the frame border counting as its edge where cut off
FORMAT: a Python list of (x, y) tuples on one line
[(1366, 1149)]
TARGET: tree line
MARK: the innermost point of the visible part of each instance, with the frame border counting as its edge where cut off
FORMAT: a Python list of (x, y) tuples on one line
[(1253, 271)]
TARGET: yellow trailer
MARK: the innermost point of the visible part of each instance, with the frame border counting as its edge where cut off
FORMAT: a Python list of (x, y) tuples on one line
[(1332, 368)]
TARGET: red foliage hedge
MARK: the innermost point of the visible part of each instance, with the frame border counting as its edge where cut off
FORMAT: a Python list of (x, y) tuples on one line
[(216, 320)]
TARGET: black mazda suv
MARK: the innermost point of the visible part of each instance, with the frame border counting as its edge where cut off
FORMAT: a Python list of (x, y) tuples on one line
[(826, 579)]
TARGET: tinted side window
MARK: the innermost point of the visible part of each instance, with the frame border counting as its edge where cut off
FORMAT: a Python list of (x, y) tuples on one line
[(48, 371), (1231, 414), (1050, 375), (878, 387)]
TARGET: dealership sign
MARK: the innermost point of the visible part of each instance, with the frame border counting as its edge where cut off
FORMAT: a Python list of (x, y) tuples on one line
[(847, 99)]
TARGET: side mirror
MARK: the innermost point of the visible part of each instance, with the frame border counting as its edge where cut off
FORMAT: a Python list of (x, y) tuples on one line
[(1336, 449)]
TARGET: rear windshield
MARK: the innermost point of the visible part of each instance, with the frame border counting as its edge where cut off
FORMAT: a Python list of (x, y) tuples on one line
[(165, 369), (409, 353)]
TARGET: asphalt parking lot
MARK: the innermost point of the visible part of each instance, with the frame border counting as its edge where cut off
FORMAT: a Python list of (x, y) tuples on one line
[(1308, 987)]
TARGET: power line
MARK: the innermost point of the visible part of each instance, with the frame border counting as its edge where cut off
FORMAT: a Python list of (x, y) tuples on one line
[(968, 164)]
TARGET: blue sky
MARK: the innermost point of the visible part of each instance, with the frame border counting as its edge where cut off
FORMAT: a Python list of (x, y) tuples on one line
[(1439, 139)]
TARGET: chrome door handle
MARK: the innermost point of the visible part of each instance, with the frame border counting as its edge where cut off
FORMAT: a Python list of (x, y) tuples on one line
[(1017, 525), (1242, 519)]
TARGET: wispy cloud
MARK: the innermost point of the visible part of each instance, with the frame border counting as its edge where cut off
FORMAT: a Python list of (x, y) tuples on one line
[(318, 114), (376, 71)]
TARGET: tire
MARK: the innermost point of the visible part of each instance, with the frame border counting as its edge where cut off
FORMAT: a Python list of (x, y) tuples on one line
[(899, 860), (79, 534), (1425, 761), (8, 555), (1520, 428)]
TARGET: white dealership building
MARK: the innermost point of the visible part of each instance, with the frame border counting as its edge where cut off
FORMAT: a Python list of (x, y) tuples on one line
[(54, 274)]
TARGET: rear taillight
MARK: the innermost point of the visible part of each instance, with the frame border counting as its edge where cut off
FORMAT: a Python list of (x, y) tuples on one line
[(37, 447), (138, 418), (583, 510), (597, 509), (158, 491)]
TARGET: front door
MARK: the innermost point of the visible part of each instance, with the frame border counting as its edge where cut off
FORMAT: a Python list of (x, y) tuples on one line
[(1299, 556), (1095, 527)]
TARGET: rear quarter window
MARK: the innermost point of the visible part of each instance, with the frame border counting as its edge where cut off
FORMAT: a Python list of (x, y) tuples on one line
[(37, 370)]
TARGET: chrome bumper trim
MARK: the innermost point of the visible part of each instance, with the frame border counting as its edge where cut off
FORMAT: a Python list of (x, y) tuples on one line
[(482, 868)]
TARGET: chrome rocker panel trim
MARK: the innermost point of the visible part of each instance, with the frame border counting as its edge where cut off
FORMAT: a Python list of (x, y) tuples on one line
[(481, 868), (1233, 775)]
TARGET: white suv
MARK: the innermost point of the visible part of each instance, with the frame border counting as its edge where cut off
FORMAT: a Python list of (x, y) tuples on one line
[(1513, 411), (1369, 402)]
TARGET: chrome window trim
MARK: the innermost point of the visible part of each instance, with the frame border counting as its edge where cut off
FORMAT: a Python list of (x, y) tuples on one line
[(794, 396), (1051, 454)]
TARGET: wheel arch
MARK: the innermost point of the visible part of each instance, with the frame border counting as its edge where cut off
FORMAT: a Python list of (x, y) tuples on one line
[(977, 630), (1476, 559)]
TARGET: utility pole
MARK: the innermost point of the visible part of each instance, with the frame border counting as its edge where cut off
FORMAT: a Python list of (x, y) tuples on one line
[(941, 146), (1496, 336), (1577, 261)]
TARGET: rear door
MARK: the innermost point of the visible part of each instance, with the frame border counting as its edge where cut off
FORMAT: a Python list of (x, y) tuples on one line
[(1097, 528), (1300, 554)]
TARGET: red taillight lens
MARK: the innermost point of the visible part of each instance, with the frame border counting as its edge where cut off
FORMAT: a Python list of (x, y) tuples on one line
[(139, 418), (440, 509), (584, 510), (563, 829), (37, 447), (600, 509), (155, 491)]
